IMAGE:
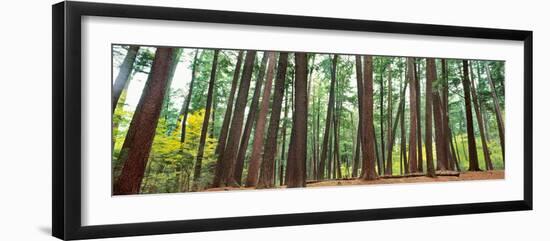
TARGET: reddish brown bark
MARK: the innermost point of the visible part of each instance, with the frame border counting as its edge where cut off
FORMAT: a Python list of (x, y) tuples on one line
[(431, 76), (259, 129), (268, 161), (413, 165), (250, 120), (236, 126), (298, 150), (367, 142), (472, 149), (141, 132), (451, 160), (227, 119), (418, 119)]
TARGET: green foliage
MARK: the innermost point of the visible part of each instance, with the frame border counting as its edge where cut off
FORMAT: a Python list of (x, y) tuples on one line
[(172, 162)]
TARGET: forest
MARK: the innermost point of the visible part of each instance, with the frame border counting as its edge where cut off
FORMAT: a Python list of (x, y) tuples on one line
[(193, 119)]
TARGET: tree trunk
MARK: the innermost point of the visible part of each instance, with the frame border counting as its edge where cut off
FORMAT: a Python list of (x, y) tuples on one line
[(297, 153), (143, 125), (124, 73), (381, 167), (236, 126), (259, 129), (500, 121), (267, 166), (367, 142), (447, 133), (204, 130), (431, 76), (226, 120), (479, 118), (357, 155), (187, 102), (418, 119), (472, 150), (283, 137), (250, 119), (413, 165), (330, 107), (389, 142)]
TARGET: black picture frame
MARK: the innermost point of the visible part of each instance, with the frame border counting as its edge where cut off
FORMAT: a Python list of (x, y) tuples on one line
[(66, 129)]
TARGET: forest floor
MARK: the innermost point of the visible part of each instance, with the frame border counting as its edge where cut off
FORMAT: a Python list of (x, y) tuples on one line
[(450, 176)]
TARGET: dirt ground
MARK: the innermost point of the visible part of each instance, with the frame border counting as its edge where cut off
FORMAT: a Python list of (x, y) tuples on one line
[(463, 176)]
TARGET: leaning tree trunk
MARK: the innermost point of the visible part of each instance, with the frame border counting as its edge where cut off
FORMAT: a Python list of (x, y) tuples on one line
[(236, 126), (187, 102), (472, 149), (330, 108), (124, 74), (141, 132), (298, 151), (367, 142), (226, 120), (431, 76), (250, 119), (500, 121), (480, 124), (267, 168), (413, 165), (204, 130), (259, 130)]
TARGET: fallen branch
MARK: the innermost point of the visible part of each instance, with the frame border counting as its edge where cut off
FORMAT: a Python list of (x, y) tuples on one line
[(437, 173)]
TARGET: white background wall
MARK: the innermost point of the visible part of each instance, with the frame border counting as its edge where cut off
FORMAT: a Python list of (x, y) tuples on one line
[(25, 122)]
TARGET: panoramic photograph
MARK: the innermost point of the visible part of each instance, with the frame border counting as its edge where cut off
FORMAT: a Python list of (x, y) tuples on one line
[(187, 119)]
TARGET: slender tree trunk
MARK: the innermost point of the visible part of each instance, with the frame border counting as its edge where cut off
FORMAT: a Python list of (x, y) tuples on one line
[(259, 130), (226, 120), (381, 167), (250, 119), (330, 107), (124, 74), (500, 121), (357, 155), (413, 165), (283, 137), (143, 125), (389, 142), (236, 126), (431, 76), (403, 142), (204, 130), (447, 133), (267, 166), (472, 150), (418, 117), (479, 118), (317, 141), (187, 102), (297, 153), (367, 142)]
